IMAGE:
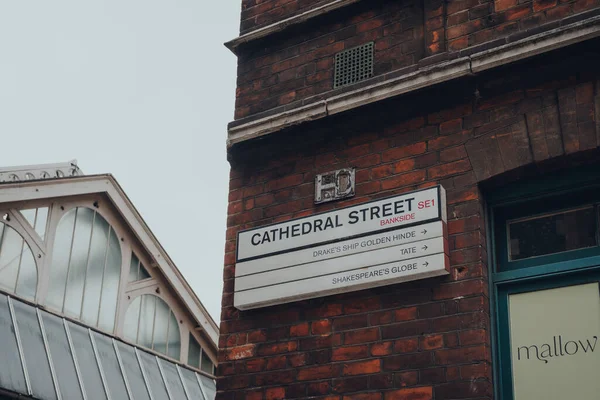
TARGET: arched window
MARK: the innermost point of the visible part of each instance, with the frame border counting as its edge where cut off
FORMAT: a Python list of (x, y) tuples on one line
[(150, 322), (18, 272), (86, 268)]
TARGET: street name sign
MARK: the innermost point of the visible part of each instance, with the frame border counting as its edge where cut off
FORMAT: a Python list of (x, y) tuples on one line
[(383, 242)]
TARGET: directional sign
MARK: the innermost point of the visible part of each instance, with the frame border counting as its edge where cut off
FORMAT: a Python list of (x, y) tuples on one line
[(378, 243), (379, 275), (340, 249)]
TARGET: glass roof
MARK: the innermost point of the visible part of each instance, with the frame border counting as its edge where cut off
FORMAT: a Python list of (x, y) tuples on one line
[(47, 357)]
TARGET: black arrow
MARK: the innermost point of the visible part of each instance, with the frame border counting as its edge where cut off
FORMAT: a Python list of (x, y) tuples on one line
[(424, 247), (426, 263), (424, 231)]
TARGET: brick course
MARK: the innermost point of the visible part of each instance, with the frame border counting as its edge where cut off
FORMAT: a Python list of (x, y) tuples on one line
[(298, 65)]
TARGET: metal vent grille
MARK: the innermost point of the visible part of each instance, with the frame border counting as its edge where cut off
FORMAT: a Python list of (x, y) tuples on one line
[(353, 65)]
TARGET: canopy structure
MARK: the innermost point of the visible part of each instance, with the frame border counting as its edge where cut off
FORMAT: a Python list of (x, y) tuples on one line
[(48, 357), (91, 305)]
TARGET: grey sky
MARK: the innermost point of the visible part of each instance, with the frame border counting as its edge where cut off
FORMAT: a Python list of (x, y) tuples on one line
[(142, 89)]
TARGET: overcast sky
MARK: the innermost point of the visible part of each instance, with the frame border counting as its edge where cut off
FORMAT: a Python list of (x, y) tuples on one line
[(142, 89)]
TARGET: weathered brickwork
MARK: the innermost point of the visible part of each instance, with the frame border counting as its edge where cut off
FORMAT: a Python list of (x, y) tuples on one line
[(258, 13), (300, 66), (296, 67), (424, 340)]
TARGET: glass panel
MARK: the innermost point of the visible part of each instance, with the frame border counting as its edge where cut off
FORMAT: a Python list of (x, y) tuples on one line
[(159, 392), (173, 381), (11, 370), (110, 284), (86, 360), (34, 351), (134, 266), (37, 218), (95, 271), (64, 366), (60, 260), (194, 352), (161, 325), (207, 365), (146, 321), (174, 344), (553, 233), (78, 263), (209, 387), (110, 366), (143, 274), (132, 318), (29, 215), (191, 384), (41, 220), (11, 246), (133, 372), (27, 280)]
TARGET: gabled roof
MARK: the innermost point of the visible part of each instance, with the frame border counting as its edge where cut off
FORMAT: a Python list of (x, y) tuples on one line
[(106, 184)]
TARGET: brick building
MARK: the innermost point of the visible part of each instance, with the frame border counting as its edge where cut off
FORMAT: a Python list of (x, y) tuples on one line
[(498, 103)]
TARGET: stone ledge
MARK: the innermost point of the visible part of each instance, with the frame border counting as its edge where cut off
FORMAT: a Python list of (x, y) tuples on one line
[(582, 28), (284, 24)]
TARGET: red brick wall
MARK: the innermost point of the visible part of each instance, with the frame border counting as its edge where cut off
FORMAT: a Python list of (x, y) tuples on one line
[(298, 64), (301, 65), (472, 22), (258, 13), (421, 340)]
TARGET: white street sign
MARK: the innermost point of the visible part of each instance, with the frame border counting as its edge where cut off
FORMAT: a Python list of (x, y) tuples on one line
[(378, 243), (387, 214)]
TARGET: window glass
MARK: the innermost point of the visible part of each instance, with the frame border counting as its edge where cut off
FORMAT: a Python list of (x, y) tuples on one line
[(157, 385), (95, 271), (151, 323), (86, 268), (209, 386), (194, 352), (207, 365), (137, 272), (60, 260), (146, 321), (133, 372), (552, 233), (174, 340), (161, 327), (191, 384), (88, 365), (84, 225), (36, 359), (134, 266), (11, 370), (173, 381), (18, 272), (64, 366), (110, 285), (110, 366), (37, 218), (132, 320)]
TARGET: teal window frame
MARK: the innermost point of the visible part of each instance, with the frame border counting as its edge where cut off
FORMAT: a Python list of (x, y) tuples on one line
[(554, 192)]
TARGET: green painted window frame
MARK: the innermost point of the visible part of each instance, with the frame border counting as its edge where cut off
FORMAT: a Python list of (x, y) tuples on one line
[(553, 192)]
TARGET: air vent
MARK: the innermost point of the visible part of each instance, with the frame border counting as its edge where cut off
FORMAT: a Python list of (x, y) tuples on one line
[(353, 65)]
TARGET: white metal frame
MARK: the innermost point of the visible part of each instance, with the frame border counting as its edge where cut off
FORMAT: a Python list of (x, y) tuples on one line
[(62, 195)]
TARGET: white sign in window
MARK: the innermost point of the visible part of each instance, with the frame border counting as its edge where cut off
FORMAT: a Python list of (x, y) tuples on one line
[(554, 343)]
